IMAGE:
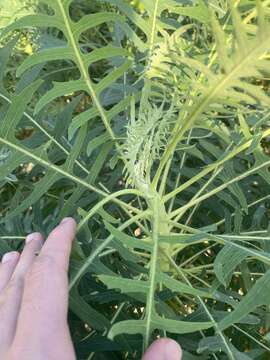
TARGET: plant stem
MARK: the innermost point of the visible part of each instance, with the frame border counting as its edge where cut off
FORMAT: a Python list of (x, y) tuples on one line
[(152, 272)]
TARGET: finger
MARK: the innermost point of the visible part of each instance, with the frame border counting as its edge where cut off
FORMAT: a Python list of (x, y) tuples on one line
[(33, 244), (45, 297), (11, 297), (10, 303), (163, 349), (48, 275), (59, 242), (8, 264)]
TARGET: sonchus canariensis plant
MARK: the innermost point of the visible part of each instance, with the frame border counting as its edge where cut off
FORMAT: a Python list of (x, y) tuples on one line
[(149, 123)]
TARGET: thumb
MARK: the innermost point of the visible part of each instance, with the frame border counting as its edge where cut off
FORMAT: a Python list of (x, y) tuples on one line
[(163, 349)]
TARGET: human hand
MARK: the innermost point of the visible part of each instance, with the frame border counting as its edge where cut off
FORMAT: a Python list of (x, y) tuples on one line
[(34, 302), (34, 298)]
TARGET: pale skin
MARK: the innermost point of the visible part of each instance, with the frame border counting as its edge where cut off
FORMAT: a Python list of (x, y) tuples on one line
[(34, 301)]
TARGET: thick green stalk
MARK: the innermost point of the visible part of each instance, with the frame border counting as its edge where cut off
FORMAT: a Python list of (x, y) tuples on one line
[(150, 310)]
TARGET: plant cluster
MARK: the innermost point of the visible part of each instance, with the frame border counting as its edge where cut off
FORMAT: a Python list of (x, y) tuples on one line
[(148, 121)]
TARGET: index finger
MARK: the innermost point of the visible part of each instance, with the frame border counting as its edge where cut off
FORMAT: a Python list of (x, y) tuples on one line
[(59, 242)]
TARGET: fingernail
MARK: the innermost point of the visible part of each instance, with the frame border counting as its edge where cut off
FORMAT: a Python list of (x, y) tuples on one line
[(11, 256), (172, 351), (66, 219), (33, 236)]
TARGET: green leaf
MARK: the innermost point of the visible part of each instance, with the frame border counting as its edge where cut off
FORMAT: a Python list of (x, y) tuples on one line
[(226, 261), (130, 285), (15, 112), (40, 189), (254, 144), (173, 326), (179, 287), (257, 296), (215, 344), (128, 240), (124, 285), (43, 57), (199, 12), (86, 312), (59, 89)]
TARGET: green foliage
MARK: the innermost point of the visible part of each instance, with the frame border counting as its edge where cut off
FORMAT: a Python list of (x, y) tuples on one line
[(148, 122)]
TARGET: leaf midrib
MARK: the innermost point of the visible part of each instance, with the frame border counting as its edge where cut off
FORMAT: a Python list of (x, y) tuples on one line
[(84, 71)]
